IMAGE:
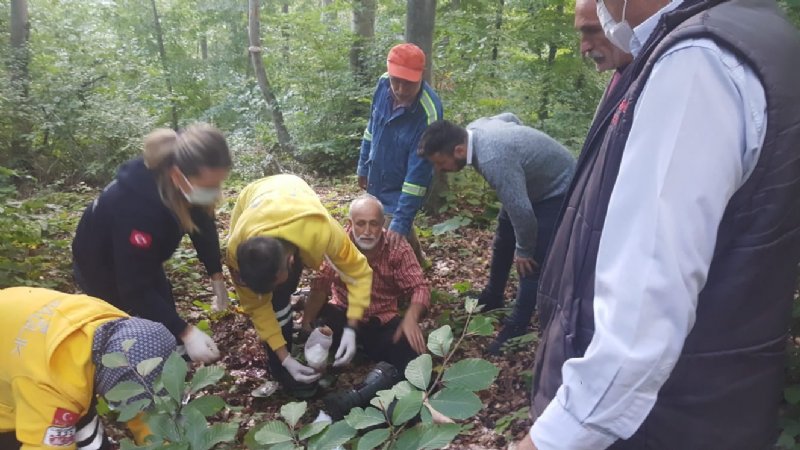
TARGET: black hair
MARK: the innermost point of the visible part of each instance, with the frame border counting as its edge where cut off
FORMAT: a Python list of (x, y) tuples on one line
[(260, 260), (441, 136)]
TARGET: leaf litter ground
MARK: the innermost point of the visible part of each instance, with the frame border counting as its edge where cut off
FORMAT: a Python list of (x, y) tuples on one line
[(459, 263)]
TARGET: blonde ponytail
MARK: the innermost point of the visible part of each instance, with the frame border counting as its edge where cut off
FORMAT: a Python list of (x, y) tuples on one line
[(159, 148), (197, 146)]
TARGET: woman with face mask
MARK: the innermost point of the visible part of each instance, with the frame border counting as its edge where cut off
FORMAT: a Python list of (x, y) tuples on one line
[(137, 222)]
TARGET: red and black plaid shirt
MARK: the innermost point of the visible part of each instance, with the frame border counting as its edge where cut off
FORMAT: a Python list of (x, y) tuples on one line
[(395, 273)]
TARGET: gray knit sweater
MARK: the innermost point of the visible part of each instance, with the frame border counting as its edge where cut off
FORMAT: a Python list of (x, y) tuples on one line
[(524, 166)]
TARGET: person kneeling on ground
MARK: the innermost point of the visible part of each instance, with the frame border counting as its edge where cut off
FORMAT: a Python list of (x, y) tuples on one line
[(51, 370), (278, 226), (396, 273), (387, 338)]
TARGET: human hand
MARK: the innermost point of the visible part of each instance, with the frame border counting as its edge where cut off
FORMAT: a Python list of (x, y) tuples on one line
[(299, 372), (347, 347), (362, 182), (221, 300), (393, 238), (410, 329), (525, 266), (199, 346)]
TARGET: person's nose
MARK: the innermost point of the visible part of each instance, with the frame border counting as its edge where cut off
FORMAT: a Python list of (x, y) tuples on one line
[(586, 46)]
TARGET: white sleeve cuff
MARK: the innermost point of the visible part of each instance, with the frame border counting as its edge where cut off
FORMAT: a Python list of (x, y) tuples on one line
[(557, 429)]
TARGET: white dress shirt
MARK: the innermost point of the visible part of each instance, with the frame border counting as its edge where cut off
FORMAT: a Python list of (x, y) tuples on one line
[(697, 133)]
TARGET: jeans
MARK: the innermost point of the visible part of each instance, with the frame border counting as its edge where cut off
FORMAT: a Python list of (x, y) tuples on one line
[(503, 250)]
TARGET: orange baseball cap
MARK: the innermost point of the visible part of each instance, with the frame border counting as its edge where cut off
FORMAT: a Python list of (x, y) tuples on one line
[(406, 61)]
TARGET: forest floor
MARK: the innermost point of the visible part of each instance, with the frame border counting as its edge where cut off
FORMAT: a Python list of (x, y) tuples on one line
[(459, 263)]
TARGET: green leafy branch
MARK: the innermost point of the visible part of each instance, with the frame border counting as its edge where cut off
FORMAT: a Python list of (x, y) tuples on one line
[(175, 414), (388, 423)]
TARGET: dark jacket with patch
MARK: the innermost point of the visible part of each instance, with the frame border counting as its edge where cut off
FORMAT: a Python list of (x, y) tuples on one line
[(724, 391), (123, 240)]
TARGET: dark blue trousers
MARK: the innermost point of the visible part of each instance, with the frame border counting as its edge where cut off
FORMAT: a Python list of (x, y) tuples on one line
[(503, 249)]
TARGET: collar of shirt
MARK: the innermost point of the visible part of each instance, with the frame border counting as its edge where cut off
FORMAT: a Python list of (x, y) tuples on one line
[(469, 147), (643, 31)]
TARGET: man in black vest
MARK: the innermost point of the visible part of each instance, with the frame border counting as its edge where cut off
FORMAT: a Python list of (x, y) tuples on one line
[(671, 275)]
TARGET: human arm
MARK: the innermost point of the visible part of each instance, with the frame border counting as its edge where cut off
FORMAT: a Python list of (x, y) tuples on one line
[(409, 279), (419, 171), (44, 418), (688, 151), (366, 146), (259, 309), (206, 241), (320, 290), (140, 278), (508, 179)]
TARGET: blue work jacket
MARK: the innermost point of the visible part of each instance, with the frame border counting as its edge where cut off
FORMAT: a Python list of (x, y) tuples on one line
[(395, 174)]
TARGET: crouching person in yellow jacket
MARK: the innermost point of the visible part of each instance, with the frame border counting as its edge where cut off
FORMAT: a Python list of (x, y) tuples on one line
[(51, 371), (277, 227)]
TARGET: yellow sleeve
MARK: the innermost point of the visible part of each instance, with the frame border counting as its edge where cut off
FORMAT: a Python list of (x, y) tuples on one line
[(262, 315), (44, 418), (353, 270)]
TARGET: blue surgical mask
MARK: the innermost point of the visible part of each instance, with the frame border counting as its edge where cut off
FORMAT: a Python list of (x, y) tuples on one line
[(618, 33), (201, 196)]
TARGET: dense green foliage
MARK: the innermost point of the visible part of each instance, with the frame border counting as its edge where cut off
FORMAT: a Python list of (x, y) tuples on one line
[(96, 83)]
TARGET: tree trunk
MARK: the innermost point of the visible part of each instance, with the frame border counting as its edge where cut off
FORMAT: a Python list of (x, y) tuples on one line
[(204, 47), (162, 53), (498, 25), (284, 140), (364, 29), (420, 21), (543, 110), (328, 15), (20, 80)]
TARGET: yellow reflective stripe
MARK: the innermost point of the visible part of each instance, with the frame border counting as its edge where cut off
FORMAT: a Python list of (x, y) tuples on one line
[(367, 135), (430, 108), (413, 189)]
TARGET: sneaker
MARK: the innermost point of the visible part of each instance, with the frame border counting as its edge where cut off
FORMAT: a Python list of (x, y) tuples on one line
[(507, 332)]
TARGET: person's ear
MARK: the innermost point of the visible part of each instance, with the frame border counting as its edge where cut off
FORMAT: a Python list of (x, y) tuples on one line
[(460, 151), (350, 223)]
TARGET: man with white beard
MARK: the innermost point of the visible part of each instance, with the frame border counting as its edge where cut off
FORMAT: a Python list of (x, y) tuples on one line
[(396, 274)]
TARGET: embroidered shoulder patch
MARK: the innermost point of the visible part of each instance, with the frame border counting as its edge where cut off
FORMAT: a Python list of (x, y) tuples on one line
[(61, 432), (140, 239)]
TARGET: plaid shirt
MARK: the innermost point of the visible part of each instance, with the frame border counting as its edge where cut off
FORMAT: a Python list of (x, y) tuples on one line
[(395, 273)]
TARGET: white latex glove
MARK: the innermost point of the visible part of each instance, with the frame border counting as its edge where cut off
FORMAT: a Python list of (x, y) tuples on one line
[(317, 347), (199, 346), (221, 299), (299, 372), (347, 347)]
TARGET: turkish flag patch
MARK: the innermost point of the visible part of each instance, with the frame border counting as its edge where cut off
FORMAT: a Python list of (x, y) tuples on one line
[(61, 432), (64, 418), (141, 239)]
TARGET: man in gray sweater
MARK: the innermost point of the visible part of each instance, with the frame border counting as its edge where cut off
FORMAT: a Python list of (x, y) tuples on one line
[(531, 173)]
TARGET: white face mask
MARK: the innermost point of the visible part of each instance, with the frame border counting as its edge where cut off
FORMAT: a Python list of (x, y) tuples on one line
[(618, 33), (201, 196)]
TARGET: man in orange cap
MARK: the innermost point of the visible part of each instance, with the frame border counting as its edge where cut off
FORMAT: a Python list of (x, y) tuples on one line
[(403, 106)]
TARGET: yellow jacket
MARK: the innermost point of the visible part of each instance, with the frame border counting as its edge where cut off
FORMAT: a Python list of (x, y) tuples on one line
[(46, 368), (284, 206)]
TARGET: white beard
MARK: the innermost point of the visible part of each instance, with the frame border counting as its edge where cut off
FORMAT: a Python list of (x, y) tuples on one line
[(366, 245)]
